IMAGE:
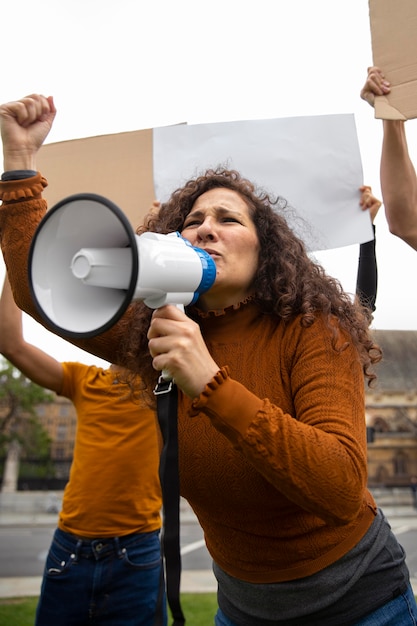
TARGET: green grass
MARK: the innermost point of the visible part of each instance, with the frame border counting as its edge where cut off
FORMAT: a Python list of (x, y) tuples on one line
[(198, 608), (18, 611)]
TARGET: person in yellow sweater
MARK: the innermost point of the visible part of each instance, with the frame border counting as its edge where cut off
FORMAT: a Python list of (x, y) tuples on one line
[(104, 562), (270, 365)]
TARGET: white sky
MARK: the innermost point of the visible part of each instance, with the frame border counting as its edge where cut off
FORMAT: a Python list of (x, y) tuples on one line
[(132, 64)]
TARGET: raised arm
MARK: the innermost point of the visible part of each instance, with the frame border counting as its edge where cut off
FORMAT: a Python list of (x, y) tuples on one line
[(24, 126), (398, 176), (38, 366), (399, 183), (367, 276)]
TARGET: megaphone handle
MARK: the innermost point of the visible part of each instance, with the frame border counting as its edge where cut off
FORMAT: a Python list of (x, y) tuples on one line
[(165, 374)]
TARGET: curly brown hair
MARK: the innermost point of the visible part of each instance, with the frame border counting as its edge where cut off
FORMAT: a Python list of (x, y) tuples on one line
[(288, 282)]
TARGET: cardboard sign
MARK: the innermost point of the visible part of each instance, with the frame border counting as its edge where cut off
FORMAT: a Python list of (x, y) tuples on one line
[(394, 48)]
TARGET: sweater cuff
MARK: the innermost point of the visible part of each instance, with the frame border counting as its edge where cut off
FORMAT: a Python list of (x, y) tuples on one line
[(199, 403), (22, 189), (229, 405)]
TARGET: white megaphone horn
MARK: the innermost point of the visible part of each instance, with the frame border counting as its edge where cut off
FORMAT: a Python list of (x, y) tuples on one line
[(86, 265)]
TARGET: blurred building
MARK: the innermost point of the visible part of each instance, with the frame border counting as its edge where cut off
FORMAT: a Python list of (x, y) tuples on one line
[(59, 419), (392, 411)]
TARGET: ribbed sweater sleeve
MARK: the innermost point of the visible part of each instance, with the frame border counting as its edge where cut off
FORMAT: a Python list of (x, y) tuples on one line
[(21, 211)]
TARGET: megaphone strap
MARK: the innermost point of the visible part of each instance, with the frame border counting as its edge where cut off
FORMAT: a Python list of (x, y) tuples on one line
[(167, 404)]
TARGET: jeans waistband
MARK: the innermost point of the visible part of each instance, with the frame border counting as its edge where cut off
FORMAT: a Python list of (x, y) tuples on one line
[(100, 547)]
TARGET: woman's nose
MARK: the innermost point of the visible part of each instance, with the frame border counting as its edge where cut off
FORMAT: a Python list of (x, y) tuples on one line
[(206, 230)]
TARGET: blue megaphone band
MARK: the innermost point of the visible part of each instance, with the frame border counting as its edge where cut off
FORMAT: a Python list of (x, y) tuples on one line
[(209, 270)]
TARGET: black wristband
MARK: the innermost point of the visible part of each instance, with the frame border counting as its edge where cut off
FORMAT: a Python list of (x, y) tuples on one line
[(18, 174)]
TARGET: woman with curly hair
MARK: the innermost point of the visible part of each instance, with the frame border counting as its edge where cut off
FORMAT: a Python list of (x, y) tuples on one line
[(270, 365)]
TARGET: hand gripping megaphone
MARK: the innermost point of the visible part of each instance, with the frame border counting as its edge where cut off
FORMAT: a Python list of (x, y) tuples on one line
[(86, 265)]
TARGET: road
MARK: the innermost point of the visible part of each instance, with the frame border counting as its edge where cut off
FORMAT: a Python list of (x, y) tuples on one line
[(405, 530), (23, 548)]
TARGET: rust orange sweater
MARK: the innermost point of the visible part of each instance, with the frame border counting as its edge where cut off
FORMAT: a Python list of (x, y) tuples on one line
[(273, 452)]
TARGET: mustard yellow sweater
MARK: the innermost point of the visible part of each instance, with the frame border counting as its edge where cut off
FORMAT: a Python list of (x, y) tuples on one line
[(273, 452), (113, 488)]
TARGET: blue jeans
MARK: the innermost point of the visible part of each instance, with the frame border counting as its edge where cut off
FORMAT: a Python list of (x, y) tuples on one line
[(111, 581), (402, 611)]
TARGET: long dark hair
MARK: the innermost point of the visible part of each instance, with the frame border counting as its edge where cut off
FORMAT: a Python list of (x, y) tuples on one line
[(288, 282)]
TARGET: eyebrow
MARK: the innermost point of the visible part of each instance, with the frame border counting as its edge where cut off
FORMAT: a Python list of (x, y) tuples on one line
[(220, 210)]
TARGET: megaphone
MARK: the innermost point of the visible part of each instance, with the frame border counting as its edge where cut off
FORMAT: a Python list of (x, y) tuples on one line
[(86, 265)]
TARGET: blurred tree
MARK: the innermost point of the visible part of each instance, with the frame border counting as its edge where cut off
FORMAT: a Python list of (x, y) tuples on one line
[(21, 434)]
